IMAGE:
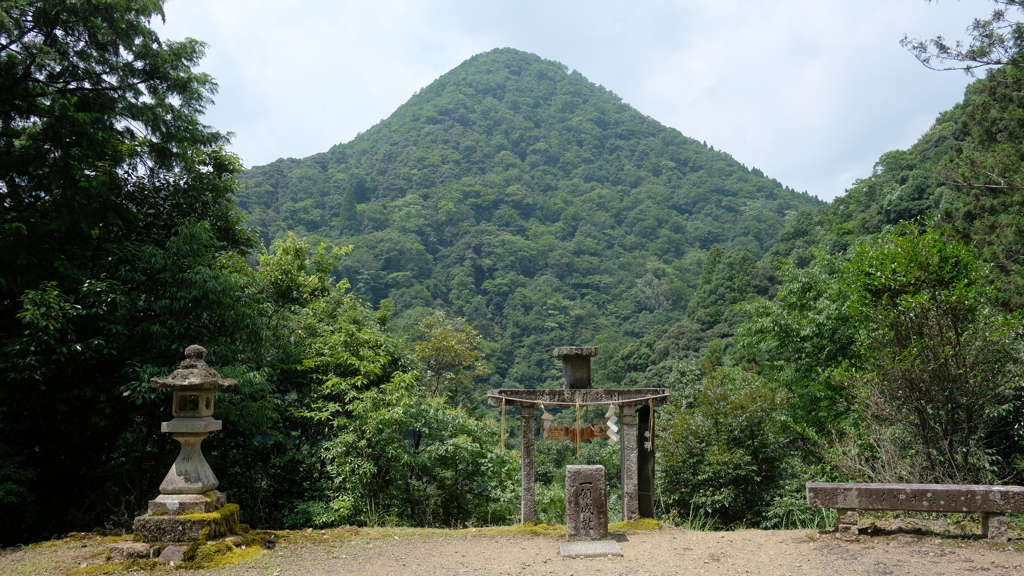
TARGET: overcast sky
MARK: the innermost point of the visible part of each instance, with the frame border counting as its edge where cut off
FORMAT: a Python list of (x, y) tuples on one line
[(809, 91)]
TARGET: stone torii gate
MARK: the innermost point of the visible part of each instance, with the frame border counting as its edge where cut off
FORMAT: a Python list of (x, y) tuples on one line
[(577, 391)]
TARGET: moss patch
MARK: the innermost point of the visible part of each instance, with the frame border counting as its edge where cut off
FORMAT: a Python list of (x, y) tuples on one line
[(222, 521), (120, 567), (220, 554), (643, 524), (222, 514), (533, 528)]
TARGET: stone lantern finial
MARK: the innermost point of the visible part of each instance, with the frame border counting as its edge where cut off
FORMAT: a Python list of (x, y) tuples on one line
[(195, 352)]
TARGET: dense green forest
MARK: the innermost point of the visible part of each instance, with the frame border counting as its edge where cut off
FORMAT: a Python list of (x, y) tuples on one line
[(365, 297), (541, 209)]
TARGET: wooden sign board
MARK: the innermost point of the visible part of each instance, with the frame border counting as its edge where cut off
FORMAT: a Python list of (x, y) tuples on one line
[(558, 433), (587, 432)]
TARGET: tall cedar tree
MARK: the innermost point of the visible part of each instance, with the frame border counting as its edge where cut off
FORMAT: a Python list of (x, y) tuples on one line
[(115, 225)]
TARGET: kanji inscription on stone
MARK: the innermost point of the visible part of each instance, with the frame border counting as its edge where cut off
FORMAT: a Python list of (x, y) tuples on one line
[(586, 502)]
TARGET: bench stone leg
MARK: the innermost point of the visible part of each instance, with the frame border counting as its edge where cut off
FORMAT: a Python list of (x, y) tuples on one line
[(993, 527), (847, 527)]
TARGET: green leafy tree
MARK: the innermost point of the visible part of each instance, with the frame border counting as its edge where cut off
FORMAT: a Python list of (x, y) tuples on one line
[(994, 42), (390, 453), (899, 351), (985, 178), (98, 114), (724, 458), (933, 356), (530, 202), (119, 246), (726, 280), (449, 352), (802, 336)]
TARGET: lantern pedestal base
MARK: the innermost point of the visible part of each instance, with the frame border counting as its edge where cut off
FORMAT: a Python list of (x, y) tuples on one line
[(179, 504), (190, 527)]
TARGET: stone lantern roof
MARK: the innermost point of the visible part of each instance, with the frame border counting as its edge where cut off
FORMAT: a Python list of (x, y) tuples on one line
[(194, 374)]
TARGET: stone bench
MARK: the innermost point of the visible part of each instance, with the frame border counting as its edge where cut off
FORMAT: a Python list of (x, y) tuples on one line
[(991, 502)]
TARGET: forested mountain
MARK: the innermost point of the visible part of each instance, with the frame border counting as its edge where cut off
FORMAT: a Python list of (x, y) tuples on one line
[(965, 172), (896, 326), (538, 206), (873, 339)]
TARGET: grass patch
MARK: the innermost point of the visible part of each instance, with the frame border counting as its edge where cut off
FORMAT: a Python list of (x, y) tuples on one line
[(642, 524)]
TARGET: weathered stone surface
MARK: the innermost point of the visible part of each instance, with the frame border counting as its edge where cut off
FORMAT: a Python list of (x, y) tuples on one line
[(916, 497), (128, 551), (194, 374), (190, 474), (585, 351), (575, 366), (847, 524), (187, 527), (187, 503), (529, 503), (590, 549), (629, 462), (645, 462), (173, 554), (848, 531), (192, 403), (191, 425), (622, 397), (993, 527), (586, 502), (167, 528)]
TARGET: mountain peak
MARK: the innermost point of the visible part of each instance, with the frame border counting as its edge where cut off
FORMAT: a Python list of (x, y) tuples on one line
[(533, 203)]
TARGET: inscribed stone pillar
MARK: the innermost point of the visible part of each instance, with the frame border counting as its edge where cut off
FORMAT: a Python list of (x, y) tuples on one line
[(586, 502), (628, 453), (526, 464)]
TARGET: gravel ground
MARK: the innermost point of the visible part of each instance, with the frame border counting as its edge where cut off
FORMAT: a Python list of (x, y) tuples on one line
[(670, 551)]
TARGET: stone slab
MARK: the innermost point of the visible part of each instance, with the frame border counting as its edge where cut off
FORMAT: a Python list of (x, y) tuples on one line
[(590, 548), (187, 503), (628, 462), (188, 527), (128, 551), (586, 502), (173, 554), (625, 396), (191, 425), (576, 366), (585, 351), (961, 498)]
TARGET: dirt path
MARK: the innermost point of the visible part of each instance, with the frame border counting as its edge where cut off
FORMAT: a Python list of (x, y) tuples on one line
[(670, 551)]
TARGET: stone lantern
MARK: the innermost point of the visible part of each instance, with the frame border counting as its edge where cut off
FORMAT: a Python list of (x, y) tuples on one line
[(190, 486)]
